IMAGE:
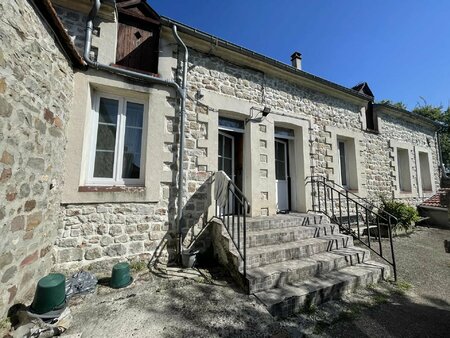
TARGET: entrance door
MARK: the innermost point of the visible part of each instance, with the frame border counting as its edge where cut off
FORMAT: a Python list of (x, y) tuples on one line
[(226, 154), (281, 175), (226, 162)]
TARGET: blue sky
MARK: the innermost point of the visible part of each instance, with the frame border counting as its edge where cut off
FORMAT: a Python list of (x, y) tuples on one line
[(401, 48)]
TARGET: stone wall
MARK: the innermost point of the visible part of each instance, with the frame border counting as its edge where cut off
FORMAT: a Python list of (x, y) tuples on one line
[(93, 233), (36, 90), (103, 232), (377, 174), (416, 135)]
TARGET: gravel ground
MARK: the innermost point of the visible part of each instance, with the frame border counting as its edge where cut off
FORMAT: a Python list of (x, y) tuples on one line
[(202, 303)]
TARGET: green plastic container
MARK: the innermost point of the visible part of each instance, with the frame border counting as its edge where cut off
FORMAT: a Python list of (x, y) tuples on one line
[(50, 294), (120, 276)]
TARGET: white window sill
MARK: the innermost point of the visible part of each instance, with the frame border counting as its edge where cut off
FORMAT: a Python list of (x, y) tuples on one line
[(115, 188)]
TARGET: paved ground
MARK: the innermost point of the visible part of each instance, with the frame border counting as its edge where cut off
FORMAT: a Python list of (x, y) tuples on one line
[(205, 304), (422, 311)]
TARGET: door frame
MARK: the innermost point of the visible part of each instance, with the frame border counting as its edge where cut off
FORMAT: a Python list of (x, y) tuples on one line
[(285, 141)]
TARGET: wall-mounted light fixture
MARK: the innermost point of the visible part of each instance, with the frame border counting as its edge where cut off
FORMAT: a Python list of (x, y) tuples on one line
[(264, 112)]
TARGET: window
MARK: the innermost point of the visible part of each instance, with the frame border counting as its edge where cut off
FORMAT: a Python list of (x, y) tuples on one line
[(116, 152), (371, 118), (403, 170), (346, 159), (347, 172), (343, 164), (425, 173)]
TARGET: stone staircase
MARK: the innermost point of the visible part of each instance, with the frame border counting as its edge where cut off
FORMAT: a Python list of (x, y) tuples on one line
[(297, 260)]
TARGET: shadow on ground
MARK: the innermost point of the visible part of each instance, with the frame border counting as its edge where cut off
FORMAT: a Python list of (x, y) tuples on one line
[(389, 313)]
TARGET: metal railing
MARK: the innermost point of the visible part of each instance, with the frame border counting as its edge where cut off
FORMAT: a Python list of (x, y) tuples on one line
[(231, 208), (352, 216)]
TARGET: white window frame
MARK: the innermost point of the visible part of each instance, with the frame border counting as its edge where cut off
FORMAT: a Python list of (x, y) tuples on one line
[(352, 140), (394, 144), (401, 172), (421, 191), (117, 179)]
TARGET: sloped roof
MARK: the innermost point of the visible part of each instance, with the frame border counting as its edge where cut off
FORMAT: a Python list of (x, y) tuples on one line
[(408, 114), (183, 28), (138, 9), (363, 88), (438, 200), (45, 7)]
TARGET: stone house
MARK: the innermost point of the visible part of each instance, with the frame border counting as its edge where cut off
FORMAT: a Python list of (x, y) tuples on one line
[(312, 125), (268, 125)]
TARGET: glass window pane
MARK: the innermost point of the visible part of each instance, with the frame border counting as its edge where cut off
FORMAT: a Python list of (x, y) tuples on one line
[(228, 168), (228, 147), (108, 111), (135, 114), (280, 170), (343, 163), (131, 167), (279, 151), (231, 123), (104, 164), (221, 140), (132, 153), (106, 137), (284, 132)]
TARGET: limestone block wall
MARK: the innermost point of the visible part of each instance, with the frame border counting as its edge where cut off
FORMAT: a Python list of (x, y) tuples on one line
[(418, 136), (248, 87), (94, 233), (36, 88), (104, 231), (329, 116)]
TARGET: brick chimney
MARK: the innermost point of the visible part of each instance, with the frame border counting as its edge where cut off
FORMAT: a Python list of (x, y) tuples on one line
[(296, 60)]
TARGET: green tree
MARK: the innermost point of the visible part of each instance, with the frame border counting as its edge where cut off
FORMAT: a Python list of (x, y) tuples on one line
[(434, 113), (438, 114), (399, 104)]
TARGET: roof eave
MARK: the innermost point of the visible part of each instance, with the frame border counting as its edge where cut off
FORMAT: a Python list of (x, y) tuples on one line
[(165, 21), (47, 10), (409, 114)]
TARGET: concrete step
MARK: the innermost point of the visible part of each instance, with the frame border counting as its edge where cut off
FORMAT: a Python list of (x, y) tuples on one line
[(363, 229), (284, 221), (269, 254), (287, 272), (290, 234), (289, 299)]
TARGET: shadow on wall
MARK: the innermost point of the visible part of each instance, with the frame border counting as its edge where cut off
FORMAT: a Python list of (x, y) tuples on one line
[(194, 220)]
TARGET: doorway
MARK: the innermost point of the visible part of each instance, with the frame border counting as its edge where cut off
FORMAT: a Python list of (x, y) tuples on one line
[(230, 153), (282, 175)]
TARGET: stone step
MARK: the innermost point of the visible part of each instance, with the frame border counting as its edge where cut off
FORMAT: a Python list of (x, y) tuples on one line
[(289, 299), (362, 229), (282, 273), (290, 234), (284, 221), (269, 254)]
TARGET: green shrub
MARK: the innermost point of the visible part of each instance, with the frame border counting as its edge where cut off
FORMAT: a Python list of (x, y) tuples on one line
[(406, 215)]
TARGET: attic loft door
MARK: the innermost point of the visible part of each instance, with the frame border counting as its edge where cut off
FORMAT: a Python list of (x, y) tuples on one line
[(137, 47)]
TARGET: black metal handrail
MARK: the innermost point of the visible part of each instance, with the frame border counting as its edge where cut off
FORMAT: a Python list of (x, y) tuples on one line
[(328, 195), (233, 214), (366, 201)]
